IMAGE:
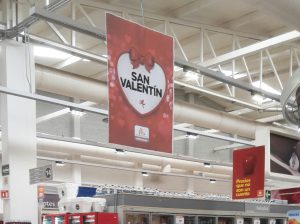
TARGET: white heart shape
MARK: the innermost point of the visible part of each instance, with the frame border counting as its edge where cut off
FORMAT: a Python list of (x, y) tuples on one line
[(143, 90)]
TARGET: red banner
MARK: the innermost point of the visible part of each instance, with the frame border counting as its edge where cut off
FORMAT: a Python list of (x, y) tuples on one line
[(292, 195), (140, 80), (248, 173)]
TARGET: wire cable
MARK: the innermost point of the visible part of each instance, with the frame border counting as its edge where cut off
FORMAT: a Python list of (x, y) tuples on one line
[(142, 10), (27, 60)]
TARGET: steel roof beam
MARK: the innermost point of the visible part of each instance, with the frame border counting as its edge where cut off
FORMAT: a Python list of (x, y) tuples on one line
[(220, 77), (69, 49), (97, 33), (69, 23), (251, 49), (14, 31), (92, 31)]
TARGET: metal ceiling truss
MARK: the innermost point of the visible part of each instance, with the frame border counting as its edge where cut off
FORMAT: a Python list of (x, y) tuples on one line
[(93, 31), (12, 32)]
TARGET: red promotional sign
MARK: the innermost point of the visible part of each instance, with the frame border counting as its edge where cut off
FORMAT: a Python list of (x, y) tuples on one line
[(4, 194), (140, 80), (248, 173)]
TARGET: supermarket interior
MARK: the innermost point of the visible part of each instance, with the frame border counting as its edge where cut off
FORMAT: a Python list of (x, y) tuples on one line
[(150, 112)]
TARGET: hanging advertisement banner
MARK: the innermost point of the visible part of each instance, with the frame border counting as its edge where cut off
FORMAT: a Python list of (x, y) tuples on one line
[(248, 173), (289, 195), (140, 81), (285, 155)]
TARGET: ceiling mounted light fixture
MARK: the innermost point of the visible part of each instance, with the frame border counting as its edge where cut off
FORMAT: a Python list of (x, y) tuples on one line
[(191, 135), (177, 68), (212, 181), (145, 174), (77, 113), (47, 52), (59, 163), (120, 151), (207, 165), (191, 75), (105, 120), (258, 98)]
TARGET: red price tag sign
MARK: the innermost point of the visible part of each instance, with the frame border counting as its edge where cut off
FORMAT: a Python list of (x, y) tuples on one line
[(4, 194)]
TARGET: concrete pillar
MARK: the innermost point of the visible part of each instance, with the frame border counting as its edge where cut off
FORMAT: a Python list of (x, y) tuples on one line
[(18, 119), (76, 123), (190, 150)]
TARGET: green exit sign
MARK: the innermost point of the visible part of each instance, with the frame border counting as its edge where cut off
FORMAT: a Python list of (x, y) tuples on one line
[(267, 195)]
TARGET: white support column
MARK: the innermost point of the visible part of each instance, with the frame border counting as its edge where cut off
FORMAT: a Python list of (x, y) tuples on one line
[(76, 123), (139, 182), (191, 142), (76, 168), (190, 182), (18, 119)]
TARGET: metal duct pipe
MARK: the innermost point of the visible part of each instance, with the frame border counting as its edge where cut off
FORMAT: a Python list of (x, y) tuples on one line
[(62, 83), (209, 118), (105, 153)]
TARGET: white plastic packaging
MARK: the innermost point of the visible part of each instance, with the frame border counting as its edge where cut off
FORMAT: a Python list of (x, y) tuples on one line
[(65, 205), (81, 205), (67, 190), (98, 204)]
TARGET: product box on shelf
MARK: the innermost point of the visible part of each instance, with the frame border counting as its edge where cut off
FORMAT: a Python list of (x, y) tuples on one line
[(98, 204), (81, 205), (65, 205), (67, 190)]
